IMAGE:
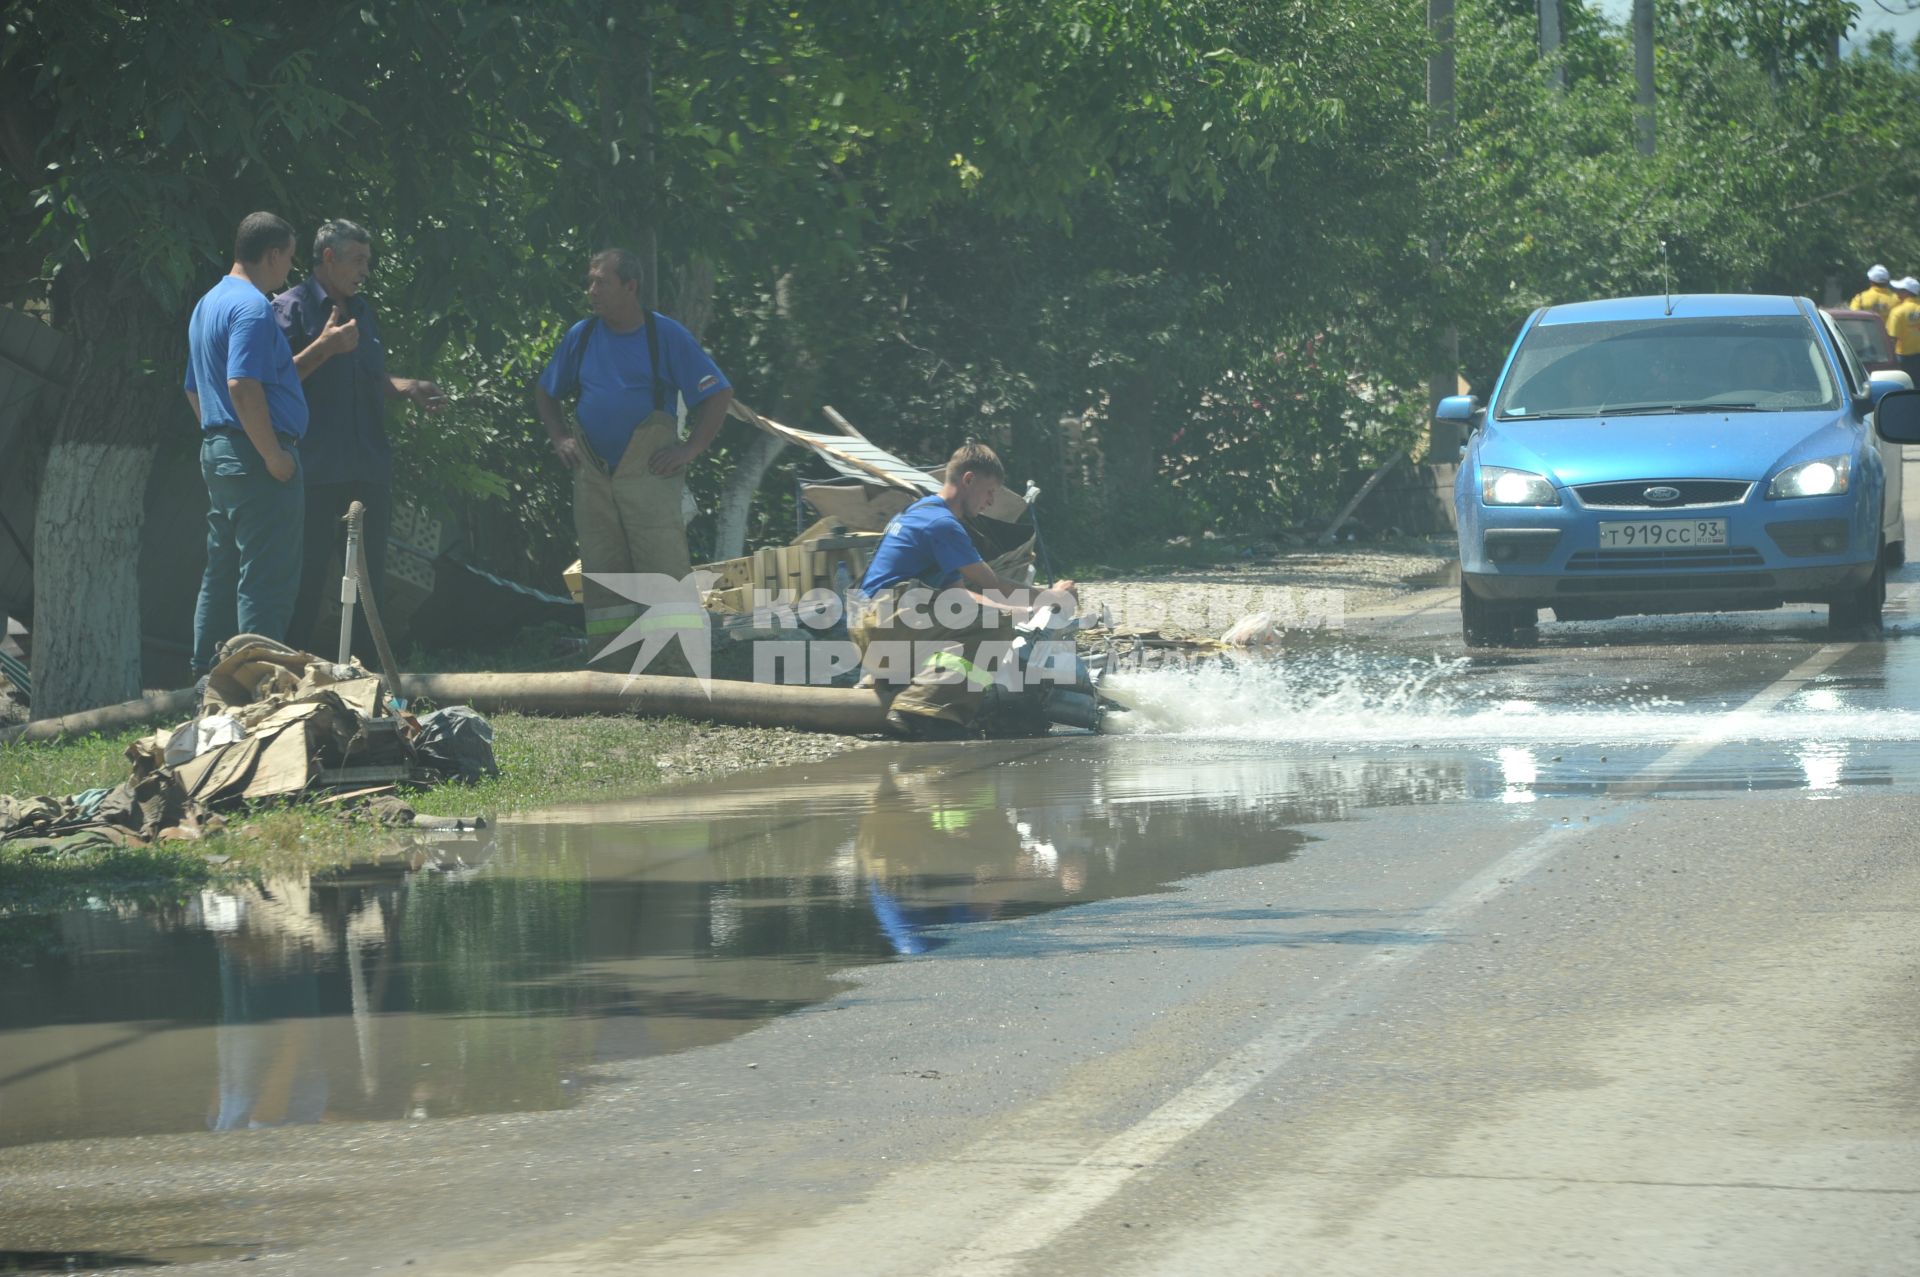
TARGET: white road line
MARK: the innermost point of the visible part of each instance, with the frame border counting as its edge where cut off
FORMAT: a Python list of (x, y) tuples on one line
[(1085, 1186), (1715, 732)]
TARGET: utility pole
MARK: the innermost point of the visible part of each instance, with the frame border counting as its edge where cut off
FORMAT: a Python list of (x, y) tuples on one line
[(1643, 74), (1443, 440), (1550, 37)]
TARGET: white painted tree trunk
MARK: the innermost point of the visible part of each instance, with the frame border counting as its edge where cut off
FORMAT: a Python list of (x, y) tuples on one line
[(736, 498), (86, 584), (123, 384), (693, 305)]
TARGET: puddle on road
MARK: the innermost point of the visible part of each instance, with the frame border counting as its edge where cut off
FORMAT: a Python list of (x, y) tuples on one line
[(87, 1261), (601, 933)]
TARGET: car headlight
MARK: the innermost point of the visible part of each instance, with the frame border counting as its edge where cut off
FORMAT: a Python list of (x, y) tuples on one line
[(1501, 486), (1825, 477)]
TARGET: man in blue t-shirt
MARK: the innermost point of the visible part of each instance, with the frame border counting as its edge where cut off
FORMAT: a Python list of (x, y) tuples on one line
[(627, 366), (928, 602), (242, 386)]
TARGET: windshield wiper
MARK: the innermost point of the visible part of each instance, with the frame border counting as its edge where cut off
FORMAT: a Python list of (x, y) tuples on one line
[(1636, 410), (1653, 410)]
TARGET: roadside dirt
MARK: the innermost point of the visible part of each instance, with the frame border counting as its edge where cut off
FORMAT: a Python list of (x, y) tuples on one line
[(1301, 589)]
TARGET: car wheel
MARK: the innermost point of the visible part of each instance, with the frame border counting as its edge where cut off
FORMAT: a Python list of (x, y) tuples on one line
[(1896, 554), (1487, 624), (1526, 627), (1857, 613)]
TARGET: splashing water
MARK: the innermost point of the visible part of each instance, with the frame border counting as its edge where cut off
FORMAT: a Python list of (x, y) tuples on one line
[(1360, 699)]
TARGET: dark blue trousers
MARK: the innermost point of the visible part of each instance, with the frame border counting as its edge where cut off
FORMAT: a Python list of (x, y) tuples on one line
[(254, 525)]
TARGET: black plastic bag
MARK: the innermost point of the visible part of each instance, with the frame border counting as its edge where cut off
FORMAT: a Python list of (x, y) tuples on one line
[(457, 743)]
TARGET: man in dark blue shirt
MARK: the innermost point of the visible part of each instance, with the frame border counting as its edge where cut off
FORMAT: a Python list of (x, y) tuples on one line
[(242, 387), (343, 368), (929, 602)]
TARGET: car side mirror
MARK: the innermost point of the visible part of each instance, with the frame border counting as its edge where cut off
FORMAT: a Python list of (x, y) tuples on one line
[(1882, 384), (1897, 416), (1462, 410)]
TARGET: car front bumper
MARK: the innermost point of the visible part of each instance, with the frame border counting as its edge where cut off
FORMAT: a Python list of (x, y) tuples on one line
[(1776, 552)]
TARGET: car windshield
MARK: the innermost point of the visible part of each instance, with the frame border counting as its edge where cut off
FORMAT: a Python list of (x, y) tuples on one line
[(1761, 363), (1866, 336)]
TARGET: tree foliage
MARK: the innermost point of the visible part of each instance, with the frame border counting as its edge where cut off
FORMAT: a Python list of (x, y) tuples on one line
[(1176, 249)]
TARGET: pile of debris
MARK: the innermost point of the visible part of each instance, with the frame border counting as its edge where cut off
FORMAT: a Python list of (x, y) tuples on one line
[(274, 723)]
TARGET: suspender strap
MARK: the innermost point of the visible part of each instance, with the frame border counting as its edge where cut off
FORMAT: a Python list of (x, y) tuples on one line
[(570, 385), (653, 362)]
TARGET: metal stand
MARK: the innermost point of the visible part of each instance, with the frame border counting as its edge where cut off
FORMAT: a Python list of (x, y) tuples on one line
[(347, 591), (357, 551)]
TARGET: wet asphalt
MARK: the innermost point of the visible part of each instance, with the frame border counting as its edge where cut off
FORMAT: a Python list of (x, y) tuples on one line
[(1593, 957)]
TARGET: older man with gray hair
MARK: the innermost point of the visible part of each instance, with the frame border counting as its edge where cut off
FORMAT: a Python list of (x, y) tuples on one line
[(343, 369)]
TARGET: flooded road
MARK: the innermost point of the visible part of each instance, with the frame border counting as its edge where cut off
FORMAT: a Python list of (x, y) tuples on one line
[(499, 981), (1303, 933)]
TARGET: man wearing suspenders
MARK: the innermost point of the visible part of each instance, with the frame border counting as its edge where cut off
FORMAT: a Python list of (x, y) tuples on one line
[(622, 442)]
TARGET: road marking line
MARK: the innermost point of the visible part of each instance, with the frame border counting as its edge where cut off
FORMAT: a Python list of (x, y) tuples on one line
[(1713, 734), (1085, 1186)]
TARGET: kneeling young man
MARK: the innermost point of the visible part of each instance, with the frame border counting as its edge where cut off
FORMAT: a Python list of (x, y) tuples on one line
[(929, 601)]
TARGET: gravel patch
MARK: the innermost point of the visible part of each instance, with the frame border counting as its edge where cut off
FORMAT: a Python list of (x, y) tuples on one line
[(1301, 589)]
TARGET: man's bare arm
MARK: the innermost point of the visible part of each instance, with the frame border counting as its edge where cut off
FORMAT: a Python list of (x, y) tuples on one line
[(708, 416), (335, 339), (983, 578), (250, 405), (565, 446), (193, 401)]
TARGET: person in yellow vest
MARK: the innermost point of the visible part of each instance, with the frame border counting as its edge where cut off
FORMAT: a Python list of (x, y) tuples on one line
[(1903, 325), (1877, 297)]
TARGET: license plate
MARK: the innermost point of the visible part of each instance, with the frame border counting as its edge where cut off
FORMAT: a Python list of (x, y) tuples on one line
[(1663, 534)]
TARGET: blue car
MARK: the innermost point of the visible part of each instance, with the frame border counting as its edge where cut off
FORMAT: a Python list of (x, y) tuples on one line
[(1684, 454)]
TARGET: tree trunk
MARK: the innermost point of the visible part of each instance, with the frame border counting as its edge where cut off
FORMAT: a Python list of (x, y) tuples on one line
[(124, 382), (736, 498), (1444, 379), (692, 298), (1643, 75), (1132, 437), (1550, 35), (692, 303)]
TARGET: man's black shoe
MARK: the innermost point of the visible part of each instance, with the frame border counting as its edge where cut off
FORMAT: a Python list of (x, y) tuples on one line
[(921, 727)]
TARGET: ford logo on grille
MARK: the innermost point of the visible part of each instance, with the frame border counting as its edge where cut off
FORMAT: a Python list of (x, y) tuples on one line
[(1661, 494)]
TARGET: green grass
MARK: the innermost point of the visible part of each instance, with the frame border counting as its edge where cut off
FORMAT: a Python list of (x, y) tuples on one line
[(68, 767), (542, 761)]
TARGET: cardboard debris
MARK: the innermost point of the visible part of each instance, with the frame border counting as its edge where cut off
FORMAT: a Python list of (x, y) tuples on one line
[(275, 723)]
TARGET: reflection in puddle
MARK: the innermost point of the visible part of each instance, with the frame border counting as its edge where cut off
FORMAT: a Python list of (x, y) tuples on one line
[(602, 933), (597, 934), (1520, 773)]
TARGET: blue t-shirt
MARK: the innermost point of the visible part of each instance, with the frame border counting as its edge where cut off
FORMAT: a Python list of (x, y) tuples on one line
[(232, 335), (616, 381), (926, 542), (346, 437)]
